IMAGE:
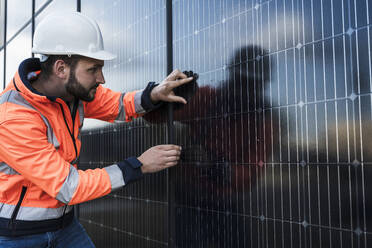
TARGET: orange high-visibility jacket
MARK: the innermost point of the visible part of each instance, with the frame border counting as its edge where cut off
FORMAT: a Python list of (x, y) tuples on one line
[(39, 147)]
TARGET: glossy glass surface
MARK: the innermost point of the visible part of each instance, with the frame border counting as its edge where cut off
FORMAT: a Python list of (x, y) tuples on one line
[(17, 17), (276, 136), (39, 4), (1, 68), (17, 50), (137, 215), (2, 22)]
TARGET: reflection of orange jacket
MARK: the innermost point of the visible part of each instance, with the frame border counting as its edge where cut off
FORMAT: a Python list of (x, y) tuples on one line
[(39, 147)]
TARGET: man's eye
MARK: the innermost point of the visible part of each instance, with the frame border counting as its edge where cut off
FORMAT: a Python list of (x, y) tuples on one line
[(93, 70)]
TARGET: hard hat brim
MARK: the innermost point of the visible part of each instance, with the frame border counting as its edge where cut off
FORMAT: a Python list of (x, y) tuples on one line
[(100, 55)]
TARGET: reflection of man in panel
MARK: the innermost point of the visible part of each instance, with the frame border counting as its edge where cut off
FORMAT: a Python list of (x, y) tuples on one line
[(230, 125), (41, 115), (228, 135)]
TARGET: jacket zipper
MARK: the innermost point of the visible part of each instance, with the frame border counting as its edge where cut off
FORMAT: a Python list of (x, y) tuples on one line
[(73, 124), (73, 114), (16, 209)]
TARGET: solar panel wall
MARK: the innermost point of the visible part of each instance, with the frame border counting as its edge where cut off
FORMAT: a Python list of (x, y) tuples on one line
[(275, 134)]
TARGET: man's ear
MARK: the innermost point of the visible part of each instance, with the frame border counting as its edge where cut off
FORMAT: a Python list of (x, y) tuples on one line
[(61, 69)]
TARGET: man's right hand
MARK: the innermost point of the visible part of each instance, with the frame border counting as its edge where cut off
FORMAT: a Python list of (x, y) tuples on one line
[(159, 157)]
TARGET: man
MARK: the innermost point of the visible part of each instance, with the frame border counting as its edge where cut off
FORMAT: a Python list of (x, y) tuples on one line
[(41, 114)]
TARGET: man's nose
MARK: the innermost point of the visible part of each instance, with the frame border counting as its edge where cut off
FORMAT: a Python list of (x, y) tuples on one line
[(100, 78)]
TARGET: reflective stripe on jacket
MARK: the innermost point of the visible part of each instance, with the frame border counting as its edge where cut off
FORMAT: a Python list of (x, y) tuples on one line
[(39, 147)]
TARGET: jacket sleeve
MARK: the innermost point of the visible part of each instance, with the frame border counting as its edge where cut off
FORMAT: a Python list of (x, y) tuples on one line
[(24, 147), (113, 106)]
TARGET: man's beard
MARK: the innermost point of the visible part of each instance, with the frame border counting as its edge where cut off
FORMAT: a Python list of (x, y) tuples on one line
[(75, 88)]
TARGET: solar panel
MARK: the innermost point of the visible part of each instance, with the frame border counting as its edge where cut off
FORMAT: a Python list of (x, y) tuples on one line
[(275, 136)]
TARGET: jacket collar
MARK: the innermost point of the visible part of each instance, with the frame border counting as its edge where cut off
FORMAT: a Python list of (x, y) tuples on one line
[(22, 84)]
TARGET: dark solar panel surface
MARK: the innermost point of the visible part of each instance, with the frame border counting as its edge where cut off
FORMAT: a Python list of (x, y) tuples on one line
[(275, 136)]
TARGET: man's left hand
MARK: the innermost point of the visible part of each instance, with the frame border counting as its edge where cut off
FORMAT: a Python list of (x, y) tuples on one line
[(164, 91)]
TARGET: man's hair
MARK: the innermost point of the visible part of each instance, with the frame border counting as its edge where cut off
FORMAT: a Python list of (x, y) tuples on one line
[(47, 66)]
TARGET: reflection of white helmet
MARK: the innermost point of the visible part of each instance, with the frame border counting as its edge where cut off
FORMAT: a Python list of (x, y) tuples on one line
[(68, 34)]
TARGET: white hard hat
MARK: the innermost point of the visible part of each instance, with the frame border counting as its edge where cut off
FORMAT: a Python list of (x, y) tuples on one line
[(69, 33)]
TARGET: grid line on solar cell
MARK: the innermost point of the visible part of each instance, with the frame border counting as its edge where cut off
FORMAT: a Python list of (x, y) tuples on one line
[(100, 225)]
